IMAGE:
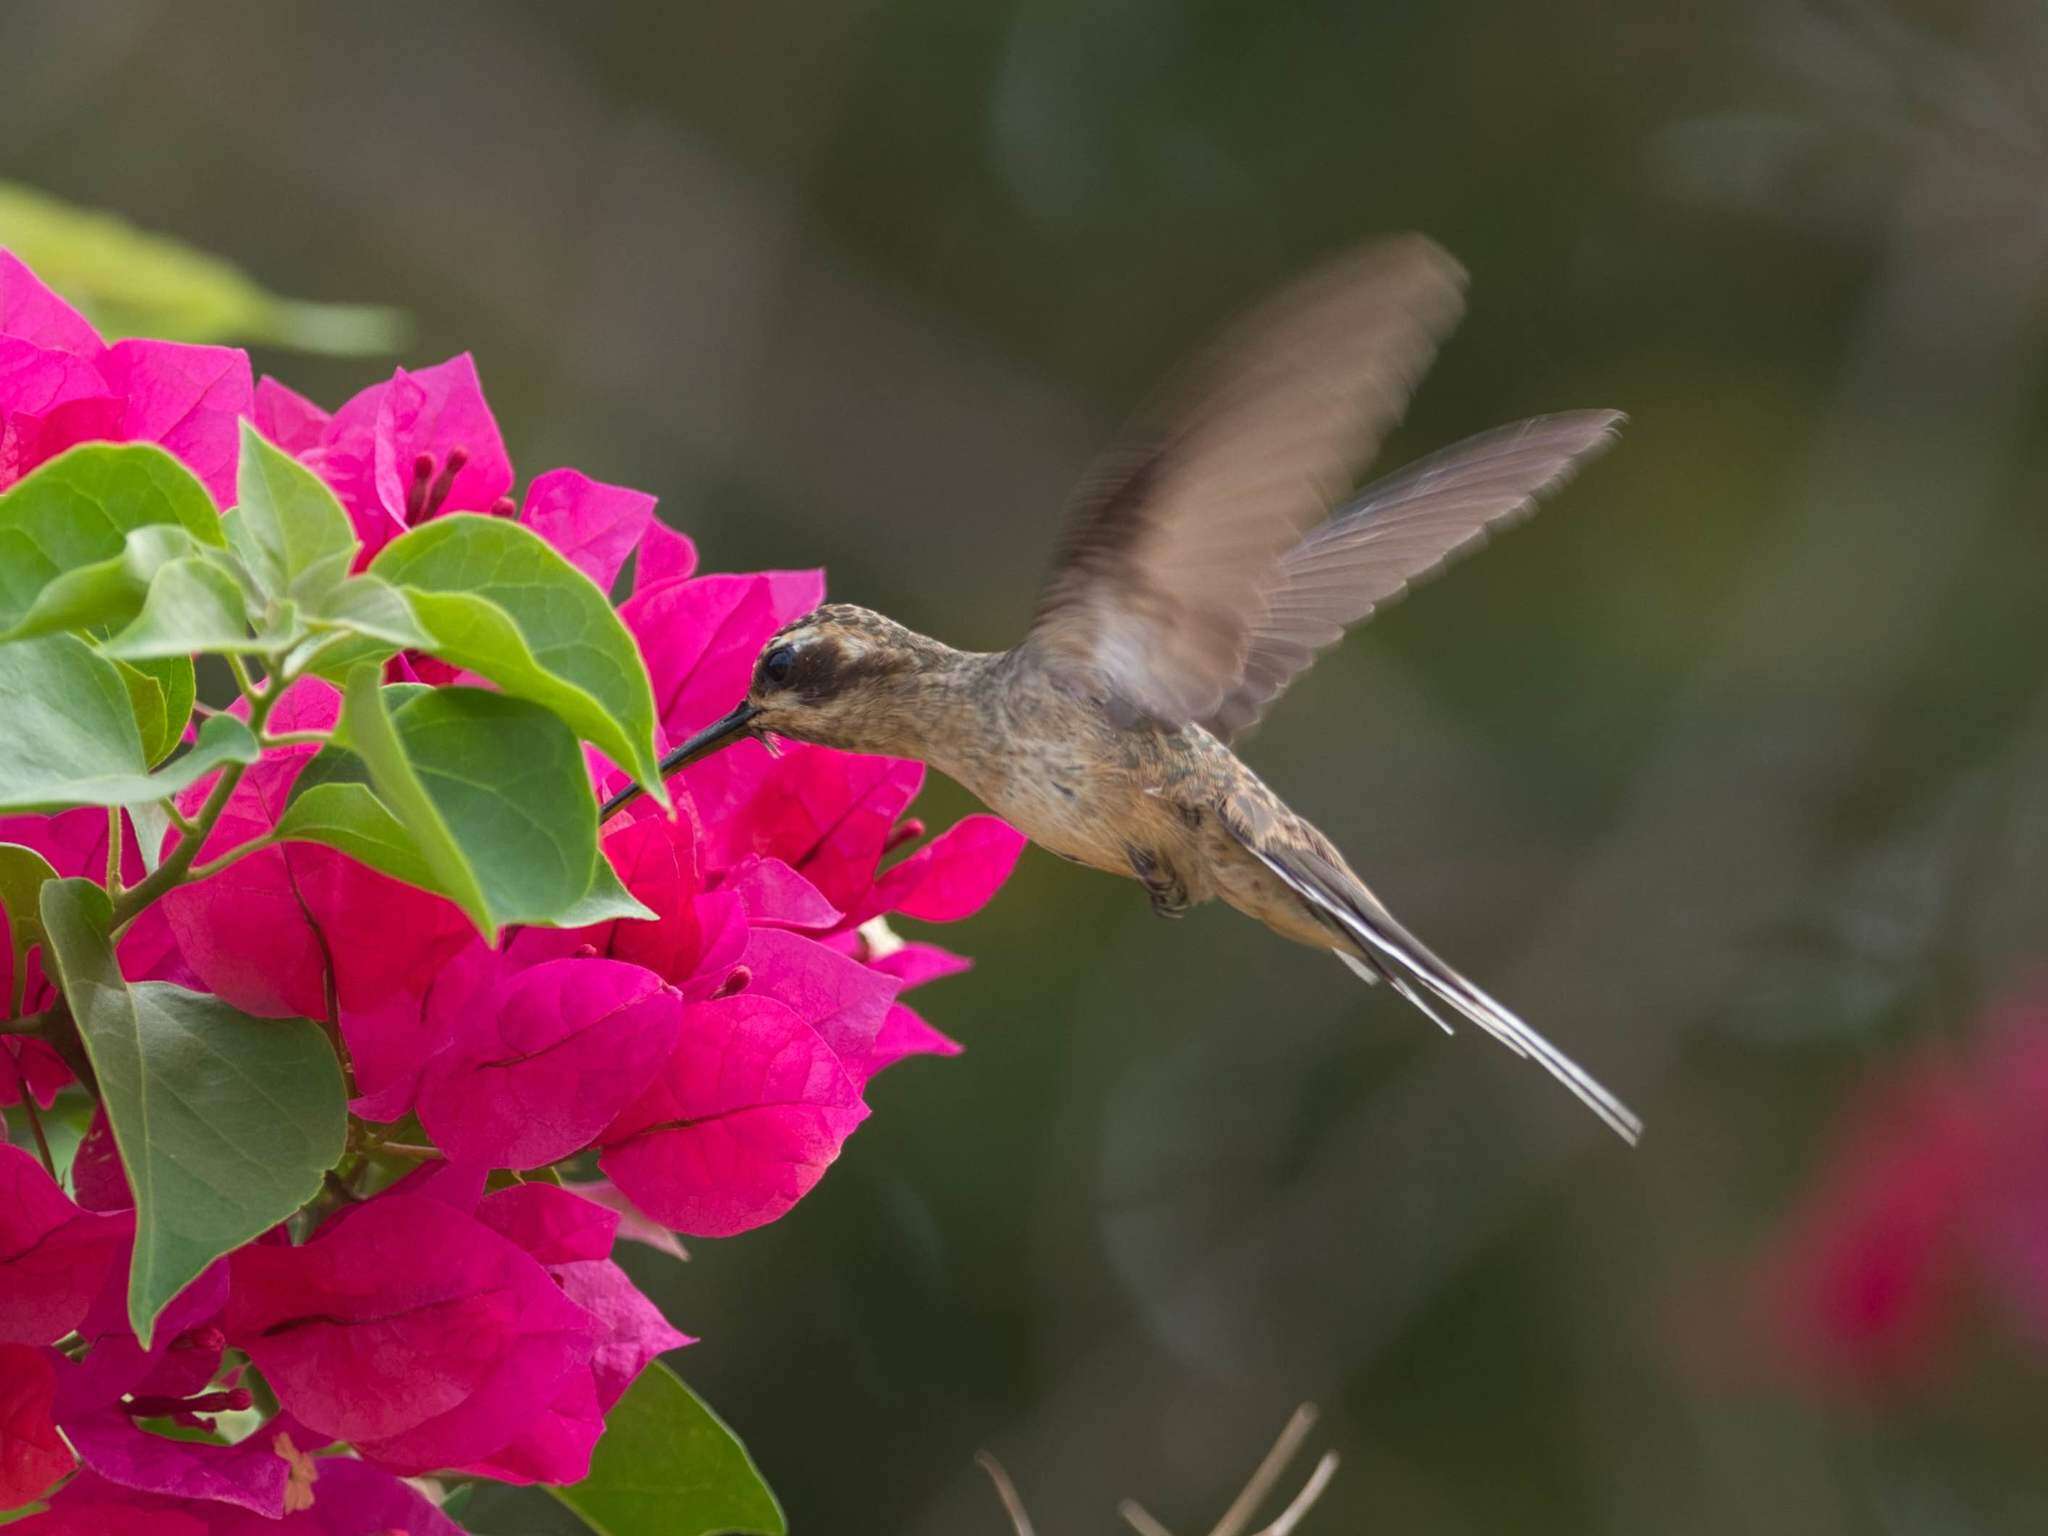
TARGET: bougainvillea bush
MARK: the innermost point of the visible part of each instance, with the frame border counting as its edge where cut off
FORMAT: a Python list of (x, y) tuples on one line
[(385, 1041)]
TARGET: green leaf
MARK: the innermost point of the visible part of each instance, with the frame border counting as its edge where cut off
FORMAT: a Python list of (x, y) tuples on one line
[(193, 605), (104, 592), (335, 763), (152, 710), (351, 818), (370, 606), (370, 733), (289, 521), (222, 739), (174, 675), (71, 736), (606, 899), (224, 1123), (490, 789), (78, 510), (668, 1466), (362, 619), (135, 283), (501, 603), (22, 873), (68, 720), (151, 821), (242, 558), (332, 803), (457, 1501)]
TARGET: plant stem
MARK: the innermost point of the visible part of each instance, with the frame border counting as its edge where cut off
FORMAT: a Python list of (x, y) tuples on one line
[(339, 1187), (331, 1019), (35, 1125), (233, 856), (408, 1149), (177, 864), (55, 1028), (28, 1024), (293, 739), (243, 681), (114, 851)]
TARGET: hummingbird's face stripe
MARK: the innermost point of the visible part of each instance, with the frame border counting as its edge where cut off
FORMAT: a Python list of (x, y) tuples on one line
[(843, 676)]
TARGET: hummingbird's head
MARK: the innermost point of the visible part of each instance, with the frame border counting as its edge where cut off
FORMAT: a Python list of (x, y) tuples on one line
[(840, 676)]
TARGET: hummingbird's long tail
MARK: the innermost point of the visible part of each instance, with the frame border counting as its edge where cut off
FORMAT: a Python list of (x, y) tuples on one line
[(1380, 947), (1412, 968)]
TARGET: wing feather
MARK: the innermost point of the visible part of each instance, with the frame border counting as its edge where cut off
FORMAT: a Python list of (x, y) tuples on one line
[(1395, 533), (1173, 539)]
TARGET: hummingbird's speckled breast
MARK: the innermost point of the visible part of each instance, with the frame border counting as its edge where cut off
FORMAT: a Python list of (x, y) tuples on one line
[(1054, 761), (1046, 758)]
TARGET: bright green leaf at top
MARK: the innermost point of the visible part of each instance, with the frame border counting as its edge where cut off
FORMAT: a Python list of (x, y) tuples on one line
[(370, 608), (79, 508), (71, 736), (289, 520), (23, 872), (104, 592), (135, 283), (500, 602), (668, 1466), (490, 789), (363, 618), (193, 605), (225, 1123)]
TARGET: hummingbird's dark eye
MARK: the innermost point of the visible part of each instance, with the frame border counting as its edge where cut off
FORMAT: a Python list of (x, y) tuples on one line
[(779, 664)]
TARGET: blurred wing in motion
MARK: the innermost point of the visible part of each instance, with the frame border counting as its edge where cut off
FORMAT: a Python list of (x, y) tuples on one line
[(1398, 532), (1171, 547)]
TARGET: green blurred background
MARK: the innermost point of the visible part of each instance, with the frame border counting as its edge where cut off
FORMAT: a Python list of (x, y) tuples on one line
[(1730, 771)]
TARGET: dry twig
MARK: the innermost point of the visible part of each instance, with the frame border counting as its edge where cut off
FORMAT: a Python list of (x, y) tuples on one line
[(1242, 1508)]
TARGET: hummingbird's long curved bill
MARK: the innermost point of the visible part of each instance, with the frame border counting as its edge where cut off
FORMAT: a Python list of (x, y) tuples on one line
[(720, 733)]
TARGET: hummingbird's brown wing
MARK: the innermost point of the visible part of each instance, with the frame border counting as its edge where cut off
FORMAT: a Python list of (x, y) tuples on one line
[(1172, 544), (1395, 533)]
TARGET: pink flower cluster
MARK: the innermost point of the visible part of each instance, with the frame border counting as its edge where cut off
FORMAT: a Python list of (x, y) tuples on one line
[(712, 1060), (1934, 1197)]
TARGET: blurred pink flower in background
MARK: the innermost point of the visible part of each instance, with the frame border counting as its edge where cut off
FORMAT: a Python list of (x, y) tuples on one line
[(1932, 1201)]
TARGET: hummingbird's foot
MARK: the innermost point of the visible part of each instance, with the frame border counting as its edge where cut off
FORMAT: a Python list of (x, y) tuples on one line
[(1168, 891)]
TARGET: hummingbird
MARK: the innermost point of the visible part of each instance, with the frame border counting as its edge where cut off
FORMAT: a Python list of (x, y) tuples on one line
[(1200, 571)]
